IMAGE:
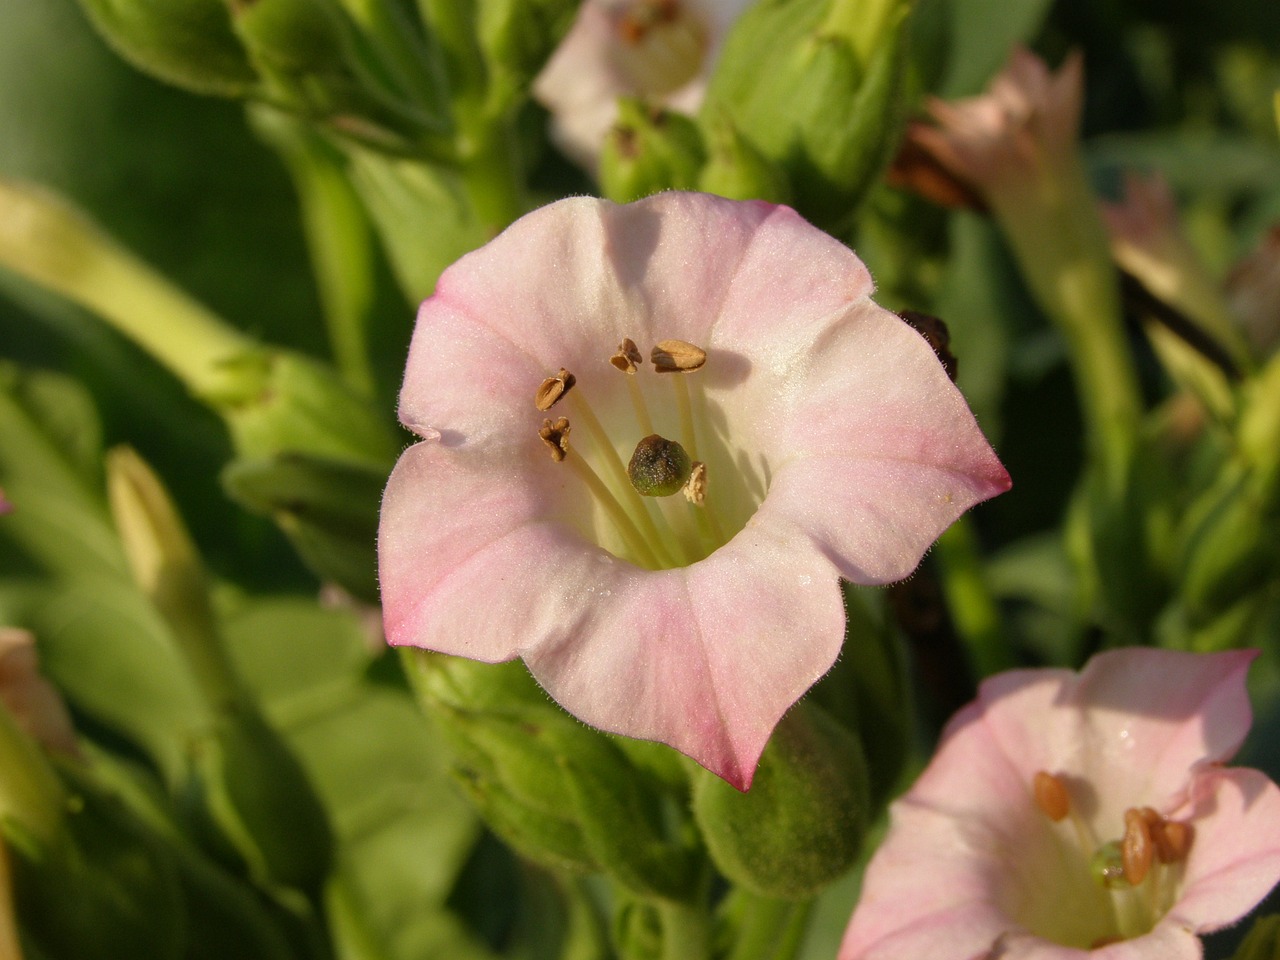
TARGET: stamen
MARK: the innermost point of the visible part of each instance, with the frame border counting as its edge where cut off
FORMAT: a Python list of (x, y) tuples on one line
[(628, 357), (695, 491), (1136, 849), (1173, 840), (1051, 795), (628, 360), (553, 388), (556, 436), (677, 356)]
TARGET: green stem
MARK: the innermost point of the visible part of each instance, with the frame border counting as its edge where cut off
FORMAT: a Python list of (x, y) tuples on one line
[(969, 598), (686, 932), (492, 178), (771, 929)]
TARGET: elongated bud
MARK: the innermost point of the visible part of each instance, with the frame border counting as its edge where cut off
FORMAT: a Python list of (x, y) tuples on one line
[(188, 43), (647, 151), (801, 824)]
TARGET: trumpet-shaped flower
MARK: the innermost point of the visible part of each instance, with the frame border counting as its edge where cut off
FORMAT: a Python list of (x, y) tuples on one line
[(658, 50), (1069, 815), (566, 378)]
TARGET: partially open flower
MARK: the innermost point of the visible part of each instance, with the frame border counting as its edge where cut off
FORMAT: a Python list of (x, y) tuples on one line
[(823, 440), (1068, 813), (658, 50)]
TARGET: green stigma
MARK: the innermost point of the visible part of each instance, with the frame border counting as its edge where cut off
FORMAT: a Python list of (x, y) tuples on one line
[(659, 467)]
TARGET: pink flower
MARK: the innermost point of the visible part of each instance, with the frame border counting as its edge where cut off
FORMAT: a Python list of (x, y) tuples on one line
[(1071, 814), (659, 50), (5, 505), (833, 445), (33, 701)]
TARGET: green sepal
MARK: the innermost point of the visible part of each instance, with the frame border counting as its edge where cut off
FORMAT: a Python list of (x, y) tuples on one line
[(1262, 941), (801, 824), (188, 43), (107, 889), (737, 169), (327, 508), (811, 102), (516, 37), (649, 150), (255, 792)]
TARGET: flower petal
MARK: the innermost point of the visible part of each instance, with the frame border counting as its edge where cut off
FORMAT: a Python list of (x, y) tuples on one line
[(1235, 853), (465, 554), (705, 658), (1134, 722)]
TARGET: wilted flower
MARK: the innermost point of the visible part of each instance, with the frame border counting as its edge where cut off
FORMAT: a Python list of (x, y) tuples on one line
[(659, 50), (824, 440), (1069, 812), (1253, 290), (32, 700)]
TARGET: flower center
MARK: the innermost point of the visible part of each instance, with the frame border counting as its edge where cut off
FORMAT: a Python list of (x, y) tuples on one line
[(1103, 889), (634, 465), (661, 44)]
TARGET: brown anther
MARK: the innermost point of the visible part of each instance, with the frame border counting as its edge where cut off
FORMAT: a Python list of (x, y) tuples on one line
[(695, 490), (643, 16), (1051, 795), (677, 356), (628, 357), (1172, 839), (1136, 849), (553, 388), (556, 436)]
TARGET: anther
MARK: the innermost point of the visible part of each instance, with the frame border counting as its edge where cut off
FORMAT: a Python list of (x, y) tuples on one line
[(677, 356), (628, 357), (553, 388), (1136, 849), (695, 490), (556, 436), (1051, 795), (1172, 839), (659, 467)]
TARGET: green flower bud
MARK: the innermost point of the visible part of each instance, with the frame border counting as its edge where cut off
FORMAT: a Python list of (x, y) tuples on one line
[(647, 151), (659, 467), (188, 43), (738, 170), (328, 509), (817, 86), (801, 824), (516, 37)]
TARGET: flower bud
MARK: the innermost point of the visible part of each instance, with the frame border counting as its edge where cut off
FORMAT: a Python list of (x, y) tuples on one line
[(647, 151), (801, 824), (817, 86), (516, 37), (188, 43)]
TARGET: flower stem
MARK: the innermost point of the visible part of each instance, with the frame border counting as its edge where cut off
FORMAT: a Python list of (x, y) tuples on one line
[(45, 240), (686, 932), (969, 598), (771, 930)]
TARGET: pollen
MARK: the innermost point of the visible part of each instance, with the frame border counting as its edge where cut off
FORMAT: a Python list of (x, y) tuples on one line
[(555, 434), (628, 358), (553, 388), (1051, 795), (677, 356)]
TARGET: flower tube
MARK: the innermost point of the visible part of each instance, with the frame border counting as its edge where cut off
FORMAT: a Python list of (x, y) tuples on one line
[(548, 514)]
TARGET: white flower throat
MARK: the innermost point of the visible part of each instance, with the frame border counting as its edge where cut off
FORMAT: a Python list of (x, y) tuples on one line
[(660, 45), (649, 525), (1113, 888)]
